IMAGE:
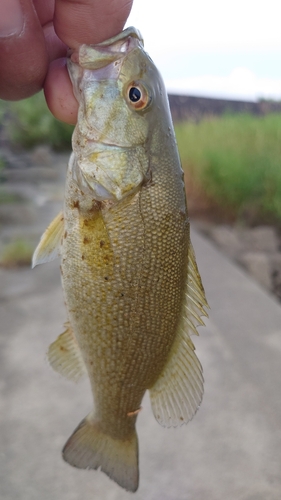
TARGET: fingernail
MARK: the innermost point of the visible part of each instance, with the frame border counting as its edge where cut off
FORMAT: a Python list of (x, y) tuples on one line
[(11, 17)]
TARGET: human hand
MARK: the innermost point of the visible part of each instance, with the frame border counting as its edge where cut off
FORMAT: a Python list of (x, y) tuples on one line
[(34, 37)]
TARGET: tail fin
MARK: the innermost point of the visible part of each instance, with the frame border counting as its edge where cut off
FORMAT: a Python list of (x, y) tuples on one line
[(90, 448)]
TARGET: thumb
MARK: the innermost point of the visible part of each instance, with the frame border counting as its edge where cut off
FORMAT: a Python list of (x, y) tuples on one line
[(23, 54)]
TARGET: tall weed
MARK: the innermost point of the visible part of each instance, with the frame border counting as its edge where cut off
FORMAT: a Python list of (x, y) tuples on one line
[(29, 123), (237, 160)]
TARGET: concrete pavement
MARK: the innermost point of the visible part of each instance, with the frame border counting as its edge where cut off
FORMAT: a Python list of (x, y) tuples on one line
[(232, 448)]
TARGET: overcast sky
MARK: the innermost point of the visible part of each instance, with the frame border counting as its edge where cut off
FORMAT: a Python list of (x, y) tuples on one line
[(213, 47)]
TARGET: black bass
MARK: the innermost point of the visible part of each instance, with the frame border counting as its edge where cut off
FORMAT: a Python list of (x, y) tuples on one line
[(131, 284)]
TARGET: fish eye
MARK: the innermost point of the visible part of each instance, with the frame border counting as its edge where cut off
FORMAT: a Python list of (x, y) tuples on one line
[(138, 96), (134, 94)]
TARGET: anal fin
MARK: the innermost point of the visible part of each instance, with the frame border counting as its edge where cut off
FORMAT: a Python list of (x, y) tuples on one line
[(49, 244), (65, 356)]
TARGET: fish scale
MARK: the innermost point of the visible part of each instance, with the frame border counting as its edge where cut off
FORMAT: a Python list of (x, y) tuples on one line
[(132, 289)]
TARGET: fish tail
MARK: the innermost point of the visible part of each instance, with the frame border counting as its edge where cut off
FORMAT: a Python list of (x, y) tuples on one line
[(90, 448)]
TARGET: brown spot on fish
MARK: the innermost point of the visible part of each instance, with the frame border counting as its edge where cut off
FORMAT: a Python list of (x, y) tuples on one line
[(133, 413), (82, 257), (86, 240), (96, 205), (101, 243), (75, 204), (106, 278), (65, 234)]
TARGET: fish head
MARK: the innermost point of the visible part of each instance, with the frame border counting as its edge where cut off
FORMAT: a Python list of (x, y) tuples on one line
[(118, 89)]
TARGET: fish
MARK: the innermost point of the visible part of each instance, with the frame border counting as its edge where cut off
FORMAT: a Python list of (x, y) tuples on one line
[(131, 284)]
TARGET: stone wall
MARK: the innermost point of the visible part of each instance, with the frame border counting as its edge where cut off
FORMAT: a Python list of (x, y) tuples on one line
[(191, 108)]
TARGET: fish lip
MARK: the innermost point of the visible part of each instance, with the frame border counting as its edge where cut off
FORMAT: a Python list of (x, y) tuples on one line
[(97, 56), (131, 31)]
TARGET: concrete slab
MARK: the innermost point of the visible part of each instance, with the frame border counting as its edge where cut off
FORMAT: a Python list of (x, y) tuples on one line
[(232, 448)]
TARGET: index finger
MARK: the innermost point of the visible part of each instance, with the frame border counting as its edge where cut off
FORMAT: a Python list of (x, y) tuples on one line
[(89, 21), (77, 22)]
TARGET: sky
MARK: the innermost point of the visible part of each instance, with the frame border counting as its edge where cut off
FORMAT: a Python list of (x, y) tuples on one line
[(214, 48)]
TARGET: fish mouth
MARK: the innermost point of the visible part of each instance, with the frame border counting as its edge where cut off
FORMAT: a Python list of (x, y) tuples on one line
[(102, 54)]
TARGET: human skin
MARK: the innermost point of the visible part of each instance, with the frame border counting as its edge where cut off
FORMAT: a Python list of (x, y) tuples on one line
[(34, 37)]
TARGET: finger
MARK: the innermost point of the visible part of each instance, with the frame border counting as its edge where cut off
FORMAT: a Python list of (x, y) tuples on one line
[(59, 94), (55, 47), (76, 22), (23, 54), (45, 12), (89, 21)]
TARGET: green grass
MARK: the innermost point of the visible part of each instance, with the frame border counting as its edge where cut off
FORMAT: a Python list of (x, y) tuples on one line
[(2, 165), (29, 123), (8, 197), (17, 253), (237, 161)]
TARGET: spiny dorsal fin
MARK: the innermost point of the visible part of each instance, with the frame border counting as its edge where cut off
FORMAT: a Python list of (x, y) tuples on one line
[(177, 393), (49, 244), (65, 356)]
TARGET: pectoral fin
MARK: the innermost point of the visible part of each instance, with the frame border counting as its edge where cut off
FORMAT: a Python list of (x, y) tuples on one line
[(177, 393), (65, 356), (49, 244)]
